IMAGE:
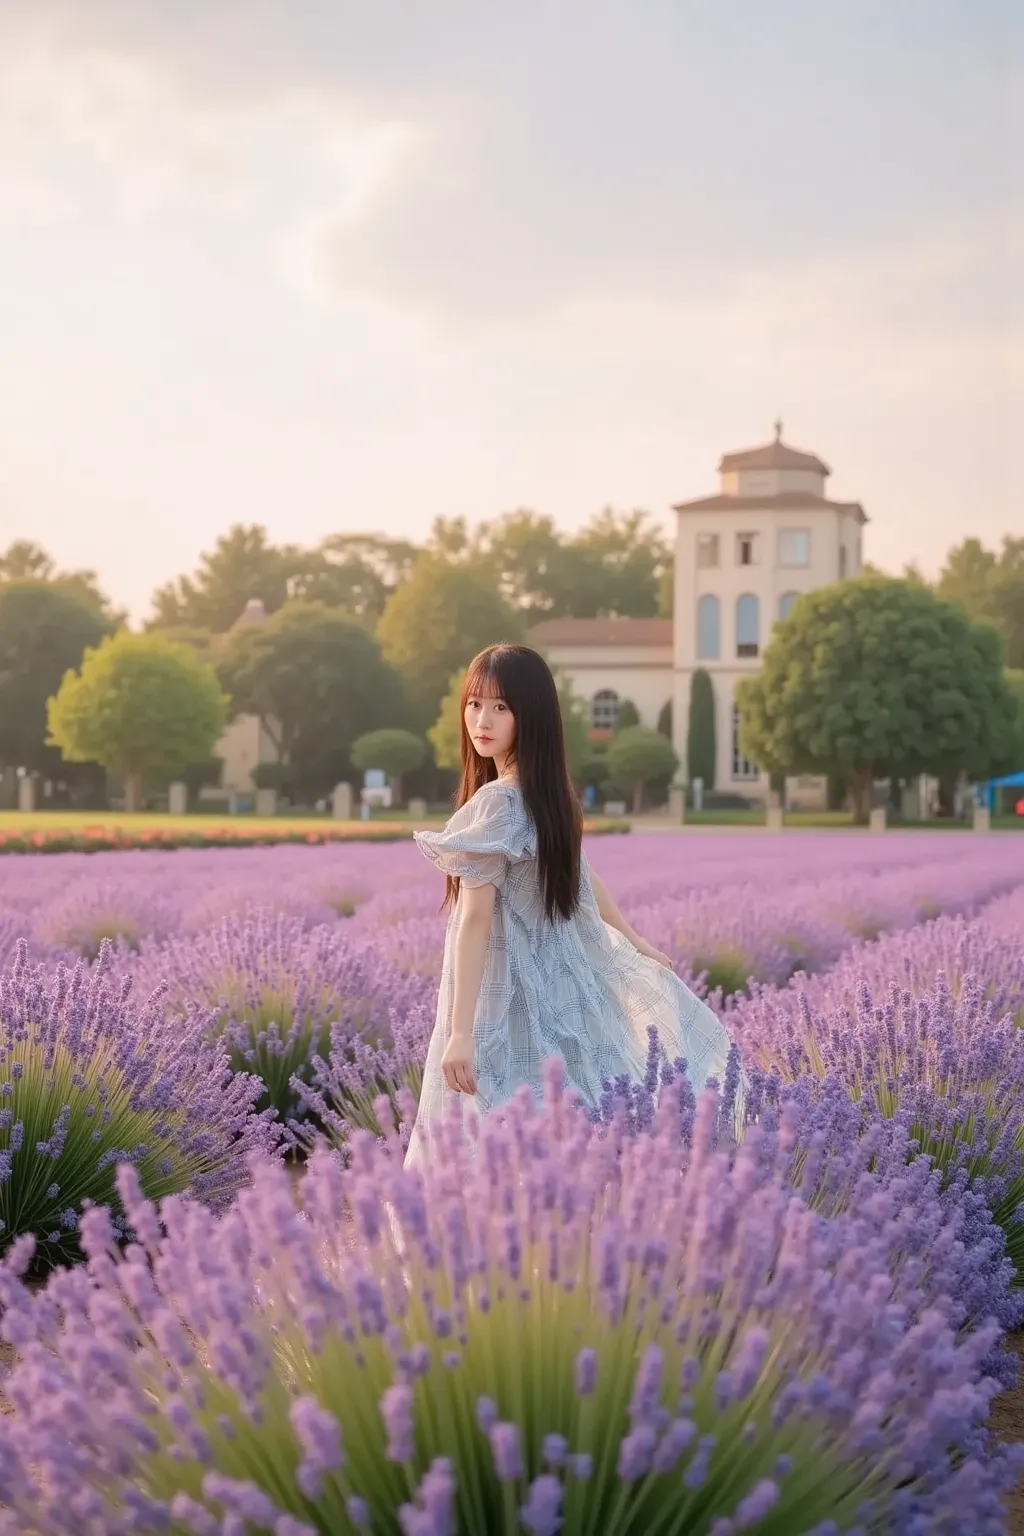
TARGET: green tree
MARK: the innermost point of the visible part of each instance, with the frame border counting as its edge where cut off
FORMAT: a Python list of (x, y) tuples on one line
[(537, 573), (1013, 762), (990, 586), (445, 735), (575, 726), (628, 716), (638, 756), (243, 564), (139, 705), (25, 561), (437, 621), (45, 629), (199, 640), (616, 564), (317, 681), (630, 555), (594, 769), (355, 573), (701, 736), (389, 560), (877, 678), (394, 752), (665, 719)]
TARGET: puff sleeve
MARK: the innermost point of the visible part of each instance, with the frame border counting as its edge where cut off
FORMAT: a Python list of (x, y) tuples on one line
[(486, 835)]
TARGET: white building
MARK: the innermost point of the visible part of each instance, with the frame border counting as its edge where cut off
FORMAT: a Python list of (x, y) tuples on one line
[(743, 556)]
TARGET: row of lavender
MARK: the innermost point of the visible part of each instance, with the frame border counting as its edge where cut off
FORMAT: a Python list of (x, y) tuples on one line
[(628, 1326)]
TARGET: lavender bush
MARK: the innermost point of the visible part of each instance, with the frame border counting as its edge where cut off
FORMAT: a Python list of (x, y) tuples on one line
[(90, 911), (345, 1087), (946, 1066), (988, 947), (276, 990), (556, 1334), (836, 1148), (89, 1078)]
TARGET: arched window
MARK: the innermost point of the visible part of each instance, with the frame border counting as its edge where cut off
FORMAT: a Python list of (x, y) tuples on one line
[(786, 602), (748, 625), (741, 768), (604, 710), (709, 628)]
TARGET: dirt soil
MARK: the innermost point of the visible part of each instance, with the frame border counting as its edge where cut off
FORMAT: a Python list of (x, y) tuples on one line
[(1008, 1423)]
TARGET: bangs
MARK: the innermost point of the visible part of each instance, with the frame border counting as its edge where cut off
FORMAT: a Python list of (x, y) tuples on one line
[(483, 680)]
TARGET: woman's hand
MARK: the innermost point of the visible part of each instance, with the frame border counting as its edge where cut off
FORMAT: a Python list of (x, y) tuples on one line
[(457, 1063), (656, 955)]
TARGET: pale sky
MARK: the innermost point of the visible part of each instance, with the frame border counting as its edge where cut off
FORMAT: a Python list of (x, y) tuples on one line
[(335, 266)]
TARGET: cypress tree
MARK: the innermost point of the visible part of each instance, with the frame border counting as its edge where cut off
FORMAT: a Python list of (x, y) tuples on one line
[(701, 746)]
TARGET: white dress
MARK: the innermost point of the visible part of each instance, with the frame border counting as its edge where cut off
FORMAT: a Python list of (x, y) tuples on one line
[(576, 989)]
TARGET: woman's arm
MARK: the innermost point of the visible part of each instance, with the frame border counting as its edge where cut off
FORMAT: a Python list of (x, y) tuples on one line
[(611, 915), (469, 957)]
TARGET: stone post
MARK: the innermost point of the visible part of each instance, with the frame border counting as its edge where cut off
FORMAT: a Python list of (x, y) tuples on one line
[(341, 803), (877, 820), (417, 810), (177, 799), (26, 794), (773, 818), (982, 819), (677, 804)]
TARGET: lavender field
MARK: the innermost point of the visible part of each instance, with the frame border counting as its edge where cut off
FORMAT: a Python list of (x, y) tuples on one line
[(783, 1306)]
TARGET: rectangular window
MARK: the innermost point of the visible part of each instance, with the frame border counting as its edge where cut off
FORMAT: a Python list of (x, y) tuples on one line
[(746, 549), (707, 551), (742, 770), (794, 546)]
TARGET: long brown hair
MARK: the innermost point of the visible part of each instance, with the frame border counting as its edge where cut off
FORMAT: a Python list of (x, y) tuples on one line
[(523, 679)]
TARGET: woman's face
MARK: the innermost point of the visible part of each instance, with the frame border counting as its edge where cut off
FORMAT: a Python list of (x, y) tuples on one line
[(491, 726)]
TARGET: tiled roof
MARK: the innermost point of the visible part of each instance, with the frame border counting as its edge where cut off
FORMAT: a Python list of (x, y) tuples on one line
[(776, 455), (785, 501), (653, 632)]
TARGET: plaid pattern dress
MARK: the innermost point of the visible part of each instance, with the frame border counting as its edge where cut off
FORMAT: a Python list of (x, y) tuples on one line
[(575, 989)]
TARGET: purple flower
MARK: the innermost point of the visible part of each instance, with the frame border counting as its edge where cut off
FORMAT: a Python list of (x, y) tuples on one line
[(133, 1092)]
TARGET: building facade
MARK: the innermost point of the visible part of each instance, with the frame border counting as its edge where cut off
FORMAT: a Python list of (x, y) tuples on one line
[(742, 558), (610, 661)]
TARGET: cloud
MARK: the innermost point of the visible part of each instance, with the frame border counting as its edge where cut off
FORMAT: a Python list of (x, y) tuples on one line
[(498, 164)]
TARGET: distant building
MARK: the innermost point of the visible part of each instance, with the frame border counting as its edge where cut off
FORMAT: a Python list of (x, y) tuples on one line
[(611, 660), (245, 742), (743, 557)]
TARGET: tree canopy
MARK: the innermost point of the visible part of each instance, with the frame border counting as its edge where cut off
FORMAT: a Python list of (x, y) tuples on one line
[(395, 753), (25, 561), (436, 622), (617, 564), (45, 629), (140, 705), (637, 757), (614, 566), (990, 586), (877, 678), (317, 681)]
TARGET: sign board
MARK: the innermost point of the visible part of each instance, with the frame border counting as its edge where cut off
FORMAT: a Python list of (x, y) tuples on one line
[(375, 778)]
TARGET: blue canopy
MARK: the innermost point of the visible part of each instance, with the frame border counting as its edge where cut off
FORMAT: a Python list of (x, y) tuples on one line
[(1006, 781)]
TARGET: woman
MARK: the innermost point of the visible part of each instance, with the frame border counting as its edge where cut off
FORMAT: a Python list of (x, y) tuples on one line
[(538, 959)]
